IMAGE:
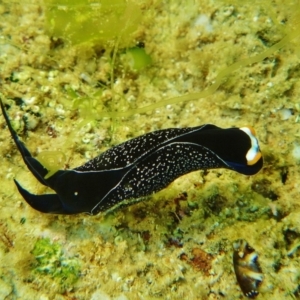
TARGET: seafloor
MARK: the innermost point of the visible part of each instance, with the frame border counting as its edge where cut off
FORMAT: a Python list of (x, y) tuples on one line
[(80, 99)]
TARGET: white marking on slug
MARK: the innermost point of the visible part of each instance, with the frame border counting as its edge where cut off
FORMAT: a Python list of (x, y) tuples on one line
[(253, 154)]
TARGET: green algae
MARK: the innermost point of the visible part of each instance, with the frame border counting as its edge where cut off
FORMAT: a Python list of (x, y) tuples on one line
[(80, 21), (137, 59), (51, 261), (52, 161)]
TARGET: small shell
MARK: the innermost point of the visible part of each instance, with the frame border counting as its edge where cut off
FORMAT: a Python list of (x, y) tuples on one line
[(246, 267)]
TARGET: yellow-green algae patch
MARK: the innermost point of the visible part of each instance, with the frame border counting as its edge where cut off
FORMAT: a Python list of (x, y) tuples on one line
[(136, 59), (52, 161), (82, 21), (151, 250)]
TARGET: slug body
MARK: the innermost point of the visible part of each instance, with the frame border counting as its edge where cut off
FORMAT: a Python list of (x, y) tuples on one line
[(140, 167)]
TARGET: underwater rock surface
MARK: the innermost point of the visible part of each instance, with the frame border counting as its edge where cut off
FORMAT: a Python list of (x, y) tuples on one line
[(81, 100)]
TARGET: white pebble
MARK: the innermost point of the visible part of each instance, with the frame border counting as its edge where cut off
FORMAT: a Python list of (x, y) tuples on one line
[(285, 114), (296, 152), (100, 295), (204, 21), (29, 100), (60, 109)]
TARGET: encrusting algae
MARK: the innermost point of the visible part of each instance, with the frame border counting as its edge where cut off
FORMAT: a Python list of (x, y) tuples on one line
[(230, 64)]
